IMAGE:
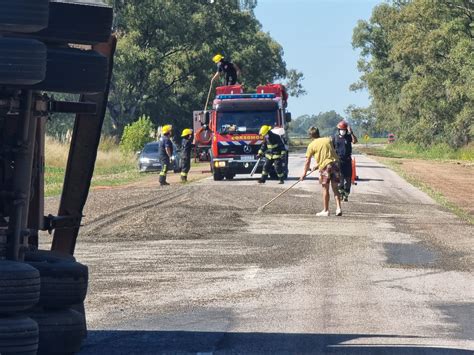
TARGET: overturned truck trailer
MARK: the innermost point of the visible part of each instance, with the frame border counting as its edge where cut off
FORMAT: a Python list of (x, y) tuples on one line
[(47, 46)]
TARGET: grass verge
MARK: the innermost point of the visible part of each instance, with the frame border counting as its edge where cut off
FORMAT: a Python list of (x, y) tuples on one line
[(434, 194), (111, 168), (412, 151)]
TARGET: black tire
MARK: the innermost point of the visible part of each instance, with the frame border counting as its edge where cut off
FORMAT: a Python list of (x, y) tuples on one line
[(229, 176), (60, 331), (48, 255), (18, 335), (22, 61), (19, 286), (73, 70), (63, 282), (23, 16), (217, 176), (3, 246), (77, 23)]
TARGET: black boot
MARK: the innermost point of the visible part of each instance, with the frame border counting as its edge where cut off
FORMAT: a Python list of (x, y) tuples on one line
[(282, 181), (261, 180), (184, 179), (163, 181)]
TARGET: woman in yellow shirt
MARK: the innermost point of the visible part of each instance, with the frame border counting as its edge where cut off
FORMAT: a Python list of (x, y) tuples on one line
[(321, 148)]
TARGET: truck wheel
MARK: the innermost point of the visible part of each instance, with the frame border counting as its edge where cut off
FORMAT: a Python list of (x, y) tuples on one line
[(22, 61), (18, 335), (229, 176), (23, 16), (19, 286), (3, 246), (60, 331), (217, 176), (75, 22), (63, 282), (47, 255), (74, 71)]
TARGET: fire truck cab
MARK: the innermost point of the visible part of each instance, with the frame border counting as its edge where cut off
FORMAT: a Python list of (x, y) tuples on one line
[(229, 132)]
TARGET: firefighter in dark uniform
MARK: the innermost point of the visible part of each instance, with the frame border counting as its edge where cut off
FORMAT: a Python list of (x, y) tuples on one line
[(342, 141), (230, 70), (274, 151), (165, 152), (186, 147)]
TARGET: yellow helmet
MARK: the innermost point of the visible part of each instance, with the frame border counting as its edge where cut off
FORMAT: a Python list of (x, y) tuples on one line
[(264, 130), (217, 58), (166, 129), (187, 132)]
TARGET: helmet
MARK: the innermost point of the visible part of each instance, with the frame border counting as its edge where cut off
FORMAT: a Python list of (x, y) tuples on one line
[(264, 130), (166, 129), (217, 58), (186, 132), (342, 125)]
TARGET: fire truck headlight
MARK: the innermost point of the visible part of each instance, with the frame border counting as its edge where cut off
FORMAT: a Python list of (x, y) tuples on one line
[(220, 164)]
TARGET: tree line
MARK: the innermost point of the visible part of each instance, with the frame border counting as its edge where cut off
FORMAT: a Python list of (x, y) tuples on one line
[(163, 63), (417, 62)]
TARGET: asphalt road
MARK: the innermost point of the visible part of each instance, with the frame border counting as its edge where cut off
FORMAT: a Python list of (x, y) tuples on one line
[(196, 269)]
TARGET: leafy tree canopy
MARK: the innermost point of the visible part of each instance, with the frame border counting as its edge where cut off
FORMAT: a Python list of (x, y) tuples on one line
[(417, 63), (325, 121), (163, 62)]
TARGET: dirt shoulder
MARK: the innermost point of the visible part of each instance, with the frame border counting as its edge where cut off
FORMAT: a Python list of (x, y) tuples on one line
[(449, 182)]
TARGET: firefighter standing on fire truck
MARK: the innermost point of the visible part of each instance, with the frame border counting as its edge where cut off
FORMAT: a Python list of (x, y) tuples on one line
[(230, 70), (165, 152), (186, 147), (274, 151)]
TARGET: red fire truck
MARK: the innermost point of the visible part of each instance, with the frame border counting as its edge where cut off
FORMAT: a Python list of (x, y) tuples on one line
[(227, 135)]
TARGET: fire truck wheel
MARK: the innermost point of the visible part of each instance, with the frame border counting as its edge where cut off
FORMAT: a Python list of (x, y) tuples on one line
[(19, 286), (63, 282), (60, 331), (77, 23), (3, 246), (18, 335), (47, 255), (229, 176), (22, 61), (217, 176), (23, 16), (74, 71)]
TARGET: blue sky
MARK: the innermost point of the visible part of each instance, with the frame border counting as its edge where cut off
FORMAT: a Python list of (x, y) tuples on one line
[(316, 38)]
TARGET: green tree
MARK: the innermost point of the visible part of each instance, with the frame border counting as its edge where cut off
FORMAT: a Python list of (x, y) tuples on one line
[(163, 63), (363, 121), (325, 121), (294, 83), (136, 135), (417, 63)]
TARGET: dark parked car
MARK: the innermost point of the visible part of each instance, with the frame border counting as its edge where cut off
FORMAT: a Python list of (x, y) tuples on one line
[(148, 158)]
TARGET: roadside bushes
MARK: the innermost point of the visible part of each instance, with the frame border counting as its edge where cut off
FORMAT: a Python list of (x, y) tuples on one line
[(136, 135)]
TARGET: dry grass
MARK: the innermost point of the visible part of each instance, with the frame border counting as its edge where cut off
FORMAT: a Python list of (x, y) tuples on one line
[(108, 156), (111, 167)]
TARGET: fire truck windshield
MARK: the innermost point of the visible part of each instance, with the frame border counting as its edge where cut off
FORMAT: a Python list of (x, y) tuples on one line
[(244, 121)]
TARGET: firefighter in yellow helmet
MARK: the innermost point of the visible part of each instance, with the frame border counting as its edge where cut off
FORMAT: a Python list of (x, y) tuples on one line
[(186, 148), (230, 70), (165, 152), (273, 149)]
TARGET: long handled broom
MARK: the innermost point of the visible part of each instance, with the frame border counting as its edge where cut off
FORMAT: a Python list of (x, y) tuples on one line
[(260, 209)]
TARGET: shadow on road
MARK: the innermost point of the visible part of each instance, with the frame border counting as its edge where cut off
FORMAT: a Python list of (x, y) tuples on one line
[(179, 342), (294, 178), (371, 166), (363, 179)]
